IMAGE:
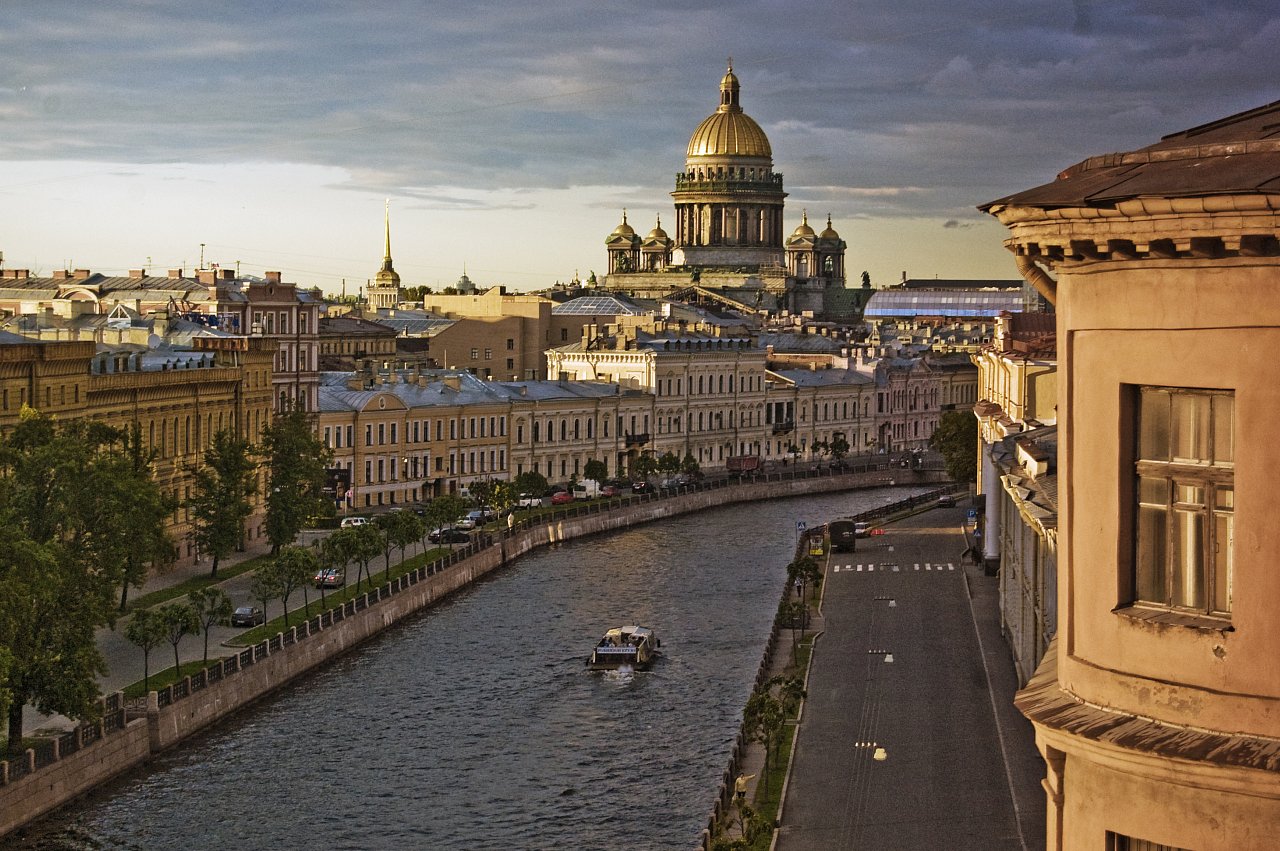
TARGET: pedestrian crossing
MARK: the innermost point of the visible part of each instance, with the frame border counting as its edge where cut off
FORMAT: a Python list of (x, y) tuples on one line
[(894, 567)]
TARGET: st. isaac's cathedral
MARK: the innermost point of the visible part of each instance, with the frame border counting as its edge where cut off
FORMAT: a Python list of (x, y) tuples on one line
[(729, 245)]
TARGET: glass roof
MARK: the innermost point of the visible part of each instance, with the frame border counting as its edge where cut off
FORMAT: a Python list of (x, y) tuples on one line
[(597, 304)]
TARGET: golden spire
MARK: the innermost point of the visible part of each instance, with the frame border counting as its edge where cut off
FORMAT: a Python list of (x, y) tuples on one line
[(386, 257), (387, 275)]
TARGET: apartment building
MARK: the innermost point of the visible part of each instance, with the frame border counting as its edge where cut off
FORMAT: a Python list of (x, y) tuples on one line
[(1157, 707)]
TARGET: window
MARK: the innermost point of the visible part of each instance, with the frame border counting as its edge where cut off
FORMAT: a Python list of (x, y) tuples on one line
[(1184, 489), (488, 354), (1120, 842), (475, 353), (511, 344)]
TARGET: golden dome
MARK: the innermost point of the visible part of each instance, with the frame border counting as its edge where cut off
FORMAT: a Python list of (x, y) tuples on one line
[(623, 229), (658, 232), (830, 232), (803, 228), (729, 131)]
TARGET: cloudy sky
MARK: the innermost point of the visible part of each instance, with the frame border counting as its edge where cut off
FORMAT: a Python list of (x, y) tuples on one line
[(509, 136)]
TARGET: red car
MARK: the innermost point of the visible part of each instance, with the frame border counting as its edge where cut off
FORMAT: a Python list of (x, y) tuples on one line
[(561, 497)]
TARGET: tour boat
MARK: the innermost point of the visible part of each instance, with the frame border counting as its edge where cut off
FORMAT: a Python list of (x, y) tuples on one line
[(625, 646)]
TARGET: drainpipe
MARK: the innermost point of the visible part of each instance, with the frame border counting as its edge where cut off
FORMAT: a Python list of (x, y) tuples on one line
[(1037, 277)]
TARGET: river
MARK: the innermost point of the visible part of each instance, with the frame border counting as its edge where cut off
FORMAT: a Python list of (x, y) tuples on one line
[(476, 725)]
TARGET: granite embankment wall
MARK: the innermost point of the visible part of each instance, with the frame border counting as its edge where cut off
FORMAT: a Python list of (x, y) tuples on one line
[(63, 768)]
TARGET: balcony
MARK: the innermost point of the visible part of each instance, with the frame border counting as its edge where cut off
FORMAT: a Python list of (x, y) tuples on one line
[(784, 428), (637, 439)]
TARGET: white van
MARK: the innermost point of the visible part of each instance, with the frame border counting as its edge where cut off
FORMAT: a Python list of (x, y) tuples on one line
[(348, 522)]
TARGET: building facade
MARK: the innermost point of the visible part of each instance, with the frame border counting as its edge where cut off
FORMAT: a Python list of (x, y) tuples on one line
[(1158, 707)]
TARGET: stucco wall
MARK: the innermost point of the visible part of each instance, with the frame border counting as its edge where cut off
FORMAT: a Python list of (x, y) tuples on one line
[(1213, 327)]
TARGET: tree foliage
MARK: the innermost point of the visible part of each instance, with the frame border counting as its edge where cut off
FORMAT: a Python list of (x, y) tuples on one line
[(295, 567), (179, 620), (213, 608), (296, 462), (533, 483), (595, 469), (222, 489), (957, 440), (146, 628), (78, 520)]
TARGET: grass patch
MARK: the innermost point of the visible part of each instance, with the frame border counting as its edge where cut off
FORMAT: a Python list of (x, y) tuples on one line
[(334, 598), (195, 583), (768, 795), (167, 677)]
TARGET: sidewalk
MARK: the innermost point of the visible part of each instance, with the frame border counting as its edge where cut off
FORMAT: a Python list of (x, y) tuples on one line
[(124, 659)]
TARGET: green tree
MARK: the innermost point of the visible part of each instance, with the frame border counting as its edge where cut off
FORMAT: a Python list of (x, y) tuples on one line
[(533, 483), (213, 608), (65, 536), (956, 438), (179, 620), (295, 566), (669, 464), (221, 495), (146, 628), (767, 711), (794, 612), (139, 511), (643, 466), (366, 545), (398, 529), (690, 466), (504, 497), (296, 464), (839, 448), (336, 551), (595, 469), (445, 510), (265, 585)]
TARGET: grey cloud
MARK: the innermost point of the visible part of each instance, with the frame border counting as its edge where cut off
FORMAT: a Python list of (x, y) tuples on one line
[(917, 107)]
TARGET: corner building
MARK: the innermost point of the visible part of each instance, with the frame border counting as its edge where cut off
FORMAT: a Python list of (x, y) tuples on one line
[(1157, 707)]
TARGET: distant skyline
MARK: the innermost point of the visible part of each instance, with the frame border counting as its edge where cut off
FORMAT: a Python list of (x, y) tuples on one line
[(509, 137)]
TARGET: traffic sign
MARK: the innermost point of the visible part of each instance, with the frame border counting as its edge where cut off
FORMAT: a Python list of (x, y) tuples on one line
[(800, 526)]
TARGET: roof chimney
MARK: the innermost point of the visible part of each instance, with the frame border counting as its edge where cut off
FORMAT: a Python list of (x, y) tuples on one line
[(272, 277), (81, 274), (137, 273), (175, 273)]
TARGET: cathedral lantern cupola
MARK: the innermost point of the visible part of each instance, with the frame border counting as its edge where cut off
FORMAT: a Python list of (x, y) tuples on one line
[(655, 250), (815, 255), (729, 200), (624, 248)]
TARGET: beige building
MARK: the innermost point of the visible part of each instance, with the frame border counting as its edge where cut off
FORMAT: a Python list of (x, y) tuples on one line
[(270, 308), (1157, 709), (707, 384), (178, 398)]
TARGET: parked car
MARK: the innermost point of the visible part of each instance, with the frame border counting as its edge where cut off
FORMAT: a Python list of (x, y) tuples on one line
[(609, 490), (248, 616), (348, 522), (482, 515), (528, 500), (947, 501), (561, 497), (467, 522), (331, 577), (641, 487), (449, 536)]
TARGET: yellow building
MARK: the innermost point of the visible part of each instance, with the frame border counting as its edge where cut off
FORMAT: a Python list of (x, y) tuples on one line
[(1158, 708), (178, 398)]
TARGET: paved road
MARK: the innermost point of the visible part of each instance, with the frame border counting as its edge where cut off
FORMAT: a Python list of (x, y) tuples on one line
[(901, 667)]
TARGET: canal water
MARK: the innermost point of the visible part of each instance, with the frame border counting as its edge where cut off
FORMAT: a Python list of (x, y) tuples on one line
[(476, 725)]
